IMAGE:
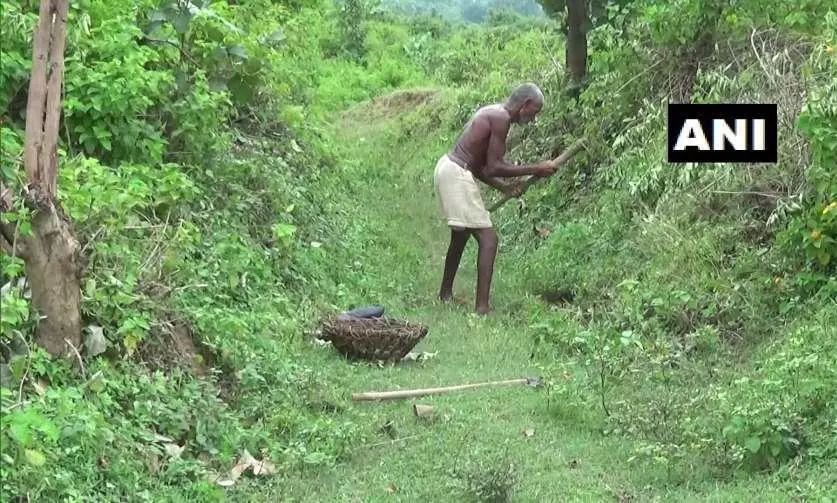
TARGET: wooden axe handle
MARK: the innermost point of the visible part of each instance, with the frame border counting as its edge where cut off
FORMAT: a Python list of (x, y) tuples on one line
[(561, 159), (411, 393)]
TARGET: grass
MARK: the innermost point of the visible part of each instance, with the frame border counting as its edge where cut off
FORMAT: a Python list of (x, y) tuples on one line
[(555, 455)]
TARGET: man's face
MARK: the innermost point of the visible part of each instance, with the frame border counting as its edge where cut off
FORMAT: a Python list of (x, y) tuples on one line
[(528, 111)]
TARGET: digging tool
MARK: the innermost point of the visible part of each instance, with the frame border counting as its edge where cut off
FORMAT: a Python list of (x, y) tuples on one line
[(412, 393), (561, 159)]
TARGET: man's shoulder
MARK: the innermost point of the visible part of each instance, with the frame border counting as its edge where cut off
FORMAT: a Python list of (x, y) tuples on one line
[(497, 115), (496, 110)]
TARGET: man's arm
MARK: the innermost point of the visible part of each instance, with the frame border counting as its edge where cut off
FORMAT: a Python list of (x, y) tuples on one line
[(495, 164), (492, 181)]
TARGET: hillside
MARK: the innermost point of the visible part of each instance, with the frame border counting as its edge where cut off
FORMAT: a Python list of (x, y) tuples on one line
[(236, 171)]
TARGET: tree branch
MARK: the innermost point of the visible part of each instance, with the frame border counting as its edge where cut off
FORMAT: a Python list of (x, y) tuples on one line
[(6, 246), (6, 203), (49, 150), (11, 245), (7, 232), (172, 43), (37, 94)]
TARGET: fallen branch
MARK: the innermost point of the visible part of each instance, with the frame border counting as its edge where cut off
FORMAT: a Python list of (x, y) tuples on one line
[(78, 355), (638, 75), (758, 57), (747, 192), (412, 393), (91, 240), (561, 159), (25, 373), (555, 64), (147, 263)]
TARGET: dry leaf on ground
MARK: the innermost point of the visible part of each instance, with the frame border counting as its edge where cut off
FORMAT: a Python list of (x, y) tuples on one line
[(95, 342), (264, 467), (246, 462), (40, 387), (174, 450), (422, 356), (422, 411)]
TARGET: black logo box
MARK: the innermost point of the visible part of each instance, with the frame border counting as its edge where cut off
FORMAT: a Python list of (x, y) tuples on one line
[(706, 114)]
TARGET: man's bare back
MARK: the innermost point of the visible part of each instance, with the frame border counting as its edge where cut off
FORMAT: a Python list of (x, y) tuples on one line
[(471, 149)]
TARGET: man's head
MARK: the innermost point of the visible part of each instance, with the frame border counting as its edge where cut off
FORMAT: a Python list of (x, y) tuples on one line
[(525, 103)]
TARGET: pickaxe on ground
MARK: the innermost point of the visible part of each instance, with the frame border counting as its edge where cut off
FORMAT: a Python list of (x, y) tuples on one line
[(412, 393)]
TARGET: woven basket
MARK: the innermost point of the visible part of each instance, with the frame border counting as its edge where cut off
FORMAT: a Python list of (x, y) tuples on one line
[(373, 338)]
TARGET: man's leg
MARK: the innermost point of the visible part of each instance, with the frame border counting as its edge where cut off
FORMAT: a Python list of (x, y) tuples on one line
[(458, 240), (487, 240)]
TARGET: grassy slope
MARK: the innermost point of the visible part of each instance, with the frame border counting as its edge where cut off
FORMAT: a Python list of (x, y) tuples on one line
[(565, 459)]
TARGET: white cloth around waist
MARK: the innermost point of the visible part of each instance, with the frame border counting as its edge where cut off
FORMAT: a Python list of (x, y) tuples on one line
[(459, 197)]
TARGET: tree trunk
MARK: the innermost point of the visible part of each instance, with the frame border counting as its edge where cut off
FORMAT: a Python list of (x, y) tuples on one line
[(51, 252), (577, 20), (52, 270)]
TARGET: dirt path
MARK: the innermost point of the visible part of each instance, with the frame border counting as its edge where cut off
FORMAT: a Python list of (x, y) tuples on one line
[(475, 430), (485, 431)]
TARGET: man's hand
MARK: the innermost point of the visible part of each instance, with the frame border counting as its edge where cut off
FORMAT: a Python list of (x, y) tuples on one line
[(545, 169)]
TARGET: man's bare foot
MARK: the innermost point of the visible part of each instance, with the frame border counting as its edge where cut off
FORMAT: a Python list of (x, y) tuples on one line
[(483, 310)]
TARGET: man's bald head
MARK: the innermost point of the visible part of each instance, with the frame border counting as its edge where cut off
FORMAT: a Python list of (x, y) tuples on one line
[(527, 91), (525, 102)]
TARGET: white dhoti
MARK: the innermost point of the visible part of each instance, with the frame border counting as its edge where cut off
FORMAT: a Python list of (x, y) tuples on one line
[(460, 201)]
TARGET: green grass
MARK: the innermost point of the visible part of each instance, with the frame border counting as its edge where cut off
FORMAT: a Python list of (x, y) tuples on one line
[(242, 249), (564, 456)]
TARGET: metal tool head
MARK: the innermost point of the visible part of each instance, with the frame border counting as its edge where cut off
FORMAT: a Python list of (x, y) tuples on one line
[(534, 382)]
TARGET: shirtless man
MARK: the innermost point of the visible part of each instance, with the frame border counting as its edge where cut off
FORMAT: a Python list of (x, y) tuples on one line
[(479, 153)]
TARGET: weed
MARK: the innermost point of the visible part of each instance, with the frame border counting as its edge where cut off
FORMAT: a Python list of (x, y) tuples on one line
[(489, 477)]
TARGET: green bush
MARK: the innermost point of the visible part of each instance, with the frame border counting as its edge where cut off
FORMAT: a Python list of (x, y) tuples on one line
[(788, 406)]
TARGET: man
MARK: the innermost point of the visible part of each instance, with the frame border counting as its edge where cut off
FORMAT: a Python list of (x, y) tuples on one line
[(479, 153)]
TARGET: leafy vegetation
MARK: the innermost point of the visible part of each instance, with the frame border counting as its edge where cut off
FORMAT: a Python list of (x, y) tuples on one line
[(683, 314), (472, 11)]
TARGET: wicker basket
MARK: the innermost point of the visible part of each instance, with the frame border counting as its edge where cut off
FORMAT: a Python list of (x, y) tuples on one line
[(372, 338)]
